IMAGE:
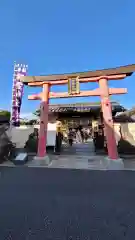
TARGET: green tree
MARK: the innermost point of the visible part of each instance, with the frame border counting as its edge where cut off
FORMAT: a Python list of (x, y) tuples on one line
[(5, 113), (37, 113)]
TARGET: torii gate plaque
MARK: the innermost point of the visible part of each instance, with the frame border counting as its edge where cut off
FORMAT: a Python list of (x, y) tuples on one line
[(74, 80)]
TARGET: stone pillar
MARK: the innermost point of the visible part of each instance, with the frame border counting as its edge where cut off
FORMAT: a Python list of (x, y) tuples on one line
[(108, 121), (43, 121)]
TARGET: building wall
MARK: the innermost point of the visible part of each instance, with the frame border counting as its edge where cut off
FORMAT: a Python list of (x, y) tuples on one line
[(19, 135)]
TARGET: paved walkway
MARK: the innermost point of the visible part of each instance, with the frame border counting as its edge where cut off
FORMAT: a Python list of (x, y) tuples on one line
[(83, 156), (79, 156), (65, 204), (86, 149)]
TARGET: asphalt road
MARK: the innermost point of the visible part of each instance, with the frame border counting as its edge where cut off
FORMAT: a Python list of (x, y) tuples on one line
[(45, 204)]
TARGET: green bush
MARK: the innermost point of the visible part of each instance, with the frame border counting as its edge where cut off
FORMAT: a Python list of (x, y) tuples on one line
[(32, 144)]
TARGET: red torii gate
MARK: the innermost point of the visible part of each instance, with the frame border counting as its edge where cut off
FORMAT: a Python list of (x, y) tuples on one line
[(100, 76)]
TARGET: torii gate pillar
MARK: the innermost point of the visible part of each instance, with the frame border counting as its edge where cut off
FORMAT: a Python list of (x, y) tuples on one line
[(43, 121), (108, 121)]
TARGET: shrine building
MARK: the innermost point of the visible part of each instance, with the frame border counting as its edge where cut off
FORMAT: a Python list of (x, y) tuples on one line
[(81, 113)]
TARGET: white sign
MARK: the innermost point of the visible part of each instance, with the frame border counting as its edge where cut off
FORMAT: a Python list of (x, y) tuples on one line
[(51, 134)]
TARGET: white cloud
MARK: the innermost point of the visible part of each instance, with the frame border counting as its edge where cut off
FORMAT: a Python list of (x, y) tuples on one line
[(28, 115)]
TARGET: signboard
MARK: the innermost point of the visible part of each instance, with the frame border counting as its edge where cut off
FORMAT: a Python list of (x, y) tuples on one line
[(73, 86)]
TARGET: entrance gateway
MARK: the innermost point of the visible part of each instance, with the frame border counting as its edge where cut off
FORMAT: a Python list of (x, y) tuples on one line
[(74, 80)]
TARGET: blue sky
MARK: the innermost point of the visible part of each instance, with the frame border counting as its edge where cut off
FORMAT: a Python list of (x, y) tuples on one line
[(66, 36)]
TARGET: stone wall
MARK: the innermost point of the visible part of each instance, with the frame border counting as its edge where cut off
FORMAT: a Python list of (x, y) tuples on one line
[(126, 130), (125, 137)]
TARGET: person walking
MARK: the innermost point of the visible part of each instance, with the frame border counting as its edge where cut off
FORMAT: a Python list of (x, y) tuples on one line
[(70, 136), (79, 136)]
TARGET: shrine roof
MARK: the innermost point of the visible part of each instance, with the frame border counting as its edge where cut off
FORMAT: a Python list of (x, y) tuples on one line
[(127, 116), (127, 70), (82, 107)]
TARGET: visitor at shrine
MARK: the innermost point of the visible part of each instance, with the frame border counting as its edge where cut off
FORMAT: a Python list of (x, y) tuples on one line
[(59, 137), (86, 135), (99, 140), (70, 136), (82, 133), (79, 138)]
